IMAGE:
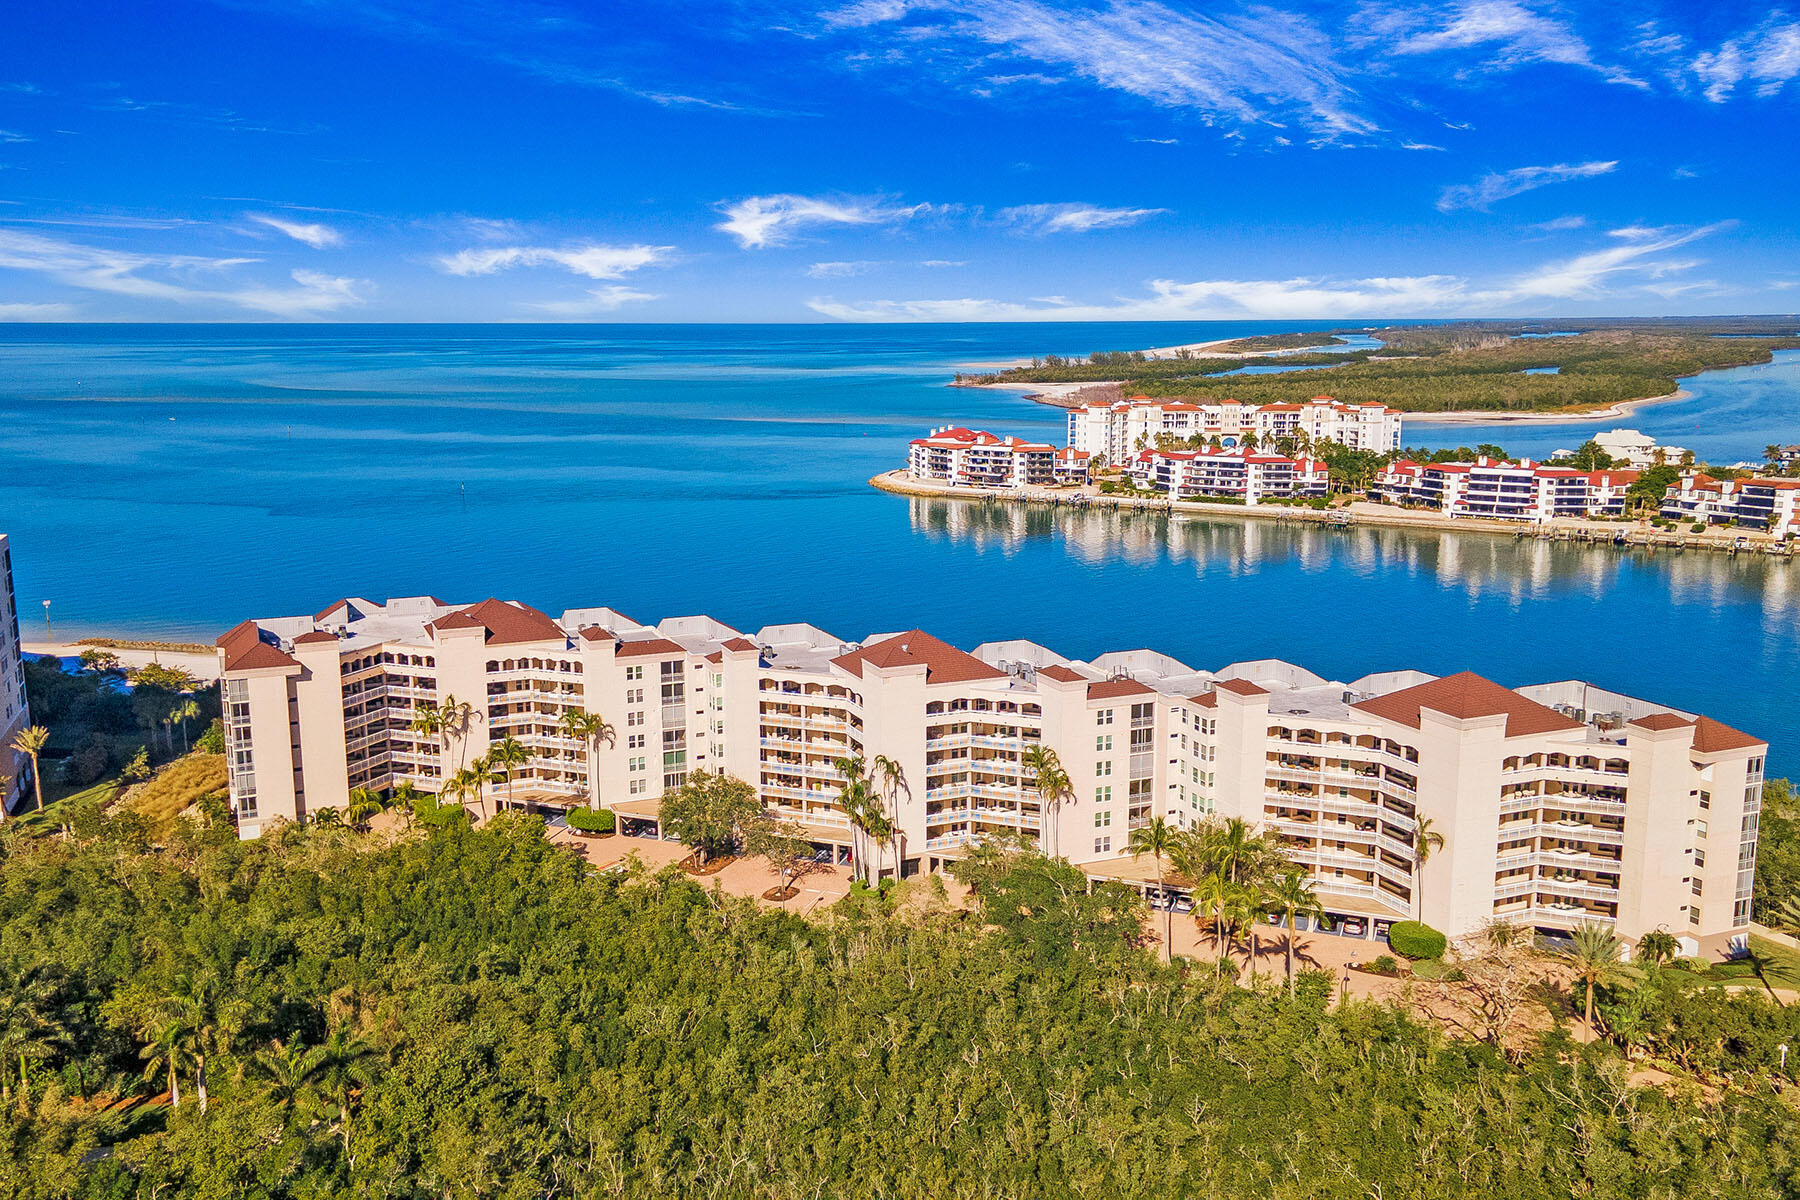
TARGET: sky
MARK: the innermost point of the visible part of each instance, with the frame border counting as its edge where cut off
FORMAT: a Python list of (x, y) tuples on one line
[(895, 160)]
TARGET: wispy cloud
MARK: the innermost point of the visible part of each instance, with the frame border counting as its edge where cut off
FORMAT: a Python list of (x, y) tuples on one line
[(1251, 67), (1507, 33), (313, 234), (36, 312), (1767, 57), (173, 278), (1562, 224), (597, 301), (592, 259), (1072, 218), (758, 222), (1638, 261), (840, 270), (1491, 189), (9, 136)]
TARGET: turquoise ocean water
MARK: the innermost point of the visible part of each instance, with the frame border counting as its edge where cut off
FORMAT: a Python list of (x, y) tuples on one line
[(173, 480)]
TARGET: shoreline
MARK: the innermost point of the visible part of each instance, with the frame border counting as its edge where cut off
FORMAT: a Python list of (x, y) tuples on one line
[(202, 666), (1638, 535)]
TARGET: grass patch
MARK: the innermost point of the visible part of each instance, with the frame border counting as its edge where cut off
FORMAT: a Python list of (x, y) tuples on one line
[(177, 787)]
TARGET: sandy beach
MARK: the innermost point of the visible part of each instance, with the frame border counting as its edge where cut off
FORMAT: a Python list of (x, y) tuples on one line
[(204, 667), (1612, 412)]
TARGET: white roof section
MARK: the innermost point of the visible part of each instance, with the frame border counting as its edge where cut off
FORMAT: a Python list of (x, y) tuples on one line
[(576, 619), (1017, 650), (1572, 693), (1380, 683), (1271, 673), (1140, 662)]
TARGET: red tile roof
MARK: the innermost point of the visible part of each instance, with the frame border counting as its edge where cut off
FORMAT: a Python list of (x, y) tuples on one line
[(943, 662), (1660, 721), (506, 624), (1715, 737), (594, 633), (1060, 673), (649, 647), (317, 635), (1205, 700), (246, 651), (738, 644), (1466, 695), (1241, 687), (1112, 688)]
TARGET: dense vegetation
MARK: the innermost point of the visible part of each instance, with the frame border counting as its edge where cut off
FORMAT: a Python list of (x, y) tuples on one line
[(462, 1013), (1441, 368)]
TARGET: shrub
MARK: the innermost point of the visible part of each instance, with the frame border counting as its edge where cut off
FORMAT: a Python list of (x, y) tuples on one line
[(1697, 527), (1108, 487), (177, 787), (1385, 965), (1415, 940), (588, 820)]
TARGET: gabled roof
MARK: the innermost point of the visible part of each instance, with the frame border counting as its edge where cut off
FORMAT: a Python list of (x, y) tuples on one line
[(737, 643), (1204, 700), (649, 647), (1109, 689), (506, 622), (1715, 737), (1658, 721), (943, 662), (1060, 673), (1466, 695), (245, 649), (1241, 687), (317, 635)]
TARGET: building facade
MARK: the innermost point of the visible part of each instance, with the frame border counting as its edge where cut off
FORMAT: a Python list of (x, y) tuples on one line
[(1557, 804), (1503, 490), (15, 714), (1228, 474), (973, 458), (1119, 430), (1769, 505)]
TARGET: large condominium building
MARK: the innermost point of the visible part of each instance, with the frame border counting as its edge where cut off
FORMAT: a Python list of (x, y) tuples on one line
[(1232, 474), (973, 458), (1752, 501), (1512, 491), (1557, 804), (1118, 430), (15, 768)]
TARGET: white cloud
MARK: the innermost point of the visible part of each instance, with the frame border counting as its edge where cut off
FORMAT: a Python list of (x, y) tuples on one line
[(1769, 57), (1258, 66), (1638, 253), (319, 237), (1419, 146), (1492, 188), (761, 221), (1073, 218), (1562, 224), (1158, 141), (7, 135), (940, 263), (597, 300), (170, 277), (1507, 33), (840, 270), (592, 259), (36, 312)]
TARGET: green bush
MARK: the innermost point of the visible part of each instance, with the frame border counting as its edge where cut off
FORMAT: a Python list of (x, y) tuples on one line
[(1697, 527), (588, 820), (1387, 964), (1415, 940)]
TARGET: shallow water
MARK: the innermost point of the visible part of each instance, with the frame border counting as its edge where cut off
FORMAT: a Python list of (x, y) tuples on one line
[(174, 481)]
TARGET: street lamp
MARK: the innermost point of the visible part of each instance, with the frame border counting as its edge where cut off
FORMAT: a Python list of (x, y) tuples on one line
[(47, 636)]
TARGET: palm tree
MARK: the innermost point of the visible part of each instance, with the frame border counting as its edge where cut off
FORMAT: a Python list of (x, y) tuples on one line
[(166, 1054), (428, 721), (1598, 958), (29, 1024), (591, 729), (365, 804), (889, 779), (1156, 839), (184, 712), (284, 1065), (338, 1069), (457, 716), (31, 742), (509, 754), (1052, 785), (327, 818), (479, 776), (1657, 947), (1214, 897), (1426, 842), (1786, 916), (1292, 896), (860, 806)]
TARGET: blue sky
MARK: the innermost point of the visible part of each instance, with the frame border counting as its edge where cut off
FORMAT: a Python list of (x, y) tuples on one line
[(894, 160)]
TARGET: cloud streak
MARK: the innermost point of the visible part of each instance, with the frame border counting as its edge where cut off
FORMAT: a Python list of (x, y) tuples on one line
[(1044, 219), (319, 237), (1507, 34), (758, 222), (1492, 188), (595, 260)]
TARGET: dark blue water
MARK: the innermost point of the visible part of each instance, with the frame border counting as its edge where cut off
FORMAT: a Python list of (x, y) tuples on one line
[(174, 480)]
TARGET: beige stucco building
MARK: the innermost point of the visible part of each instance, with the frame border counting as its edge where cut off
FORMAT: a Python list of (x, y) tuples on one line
[(1556, 804), (15, 715)]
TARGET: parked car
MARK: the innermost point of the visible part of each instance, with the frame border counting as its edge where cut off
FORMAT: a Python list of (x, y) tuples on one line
[(1354, 927)]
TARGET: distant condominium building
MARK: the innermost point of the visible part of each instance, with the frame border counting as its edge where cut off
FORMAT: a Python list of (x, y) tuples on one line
[(15, 715), (1118, 430), (1557, 804), (1753, 501), (974, 458), (1497, 488), (1230, 474)]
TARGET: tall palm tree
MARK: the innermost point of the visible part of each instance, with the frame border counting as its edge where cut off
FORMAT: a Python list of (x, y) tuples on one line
[(1157, 839), (1657, 947), (31, 742), (1052, 785), (428, 721), (889, 779), (284, 1065), (339, 1068), (166, 1054), (30, 1024), (1598, 958), (1292, 896), (860, 806), (457, 716), (478, 777), (1426, 842), (1214, 897), (184, 712), (509, 754), (590, 728)]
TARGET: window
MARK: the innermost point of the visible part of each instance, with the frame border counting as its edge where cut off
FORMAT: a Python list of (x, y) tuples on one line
[(634, 742), (1103, 795), (1705, 799), (1103, 767), (635, 764), (1694, 915), (634, 695), (638, 786), (1700, 829), (633, 718), (1103, 820), (1699, 859), (1103, 717), (1103, 742), (1103, 845), (634, 673), (1698, 890)]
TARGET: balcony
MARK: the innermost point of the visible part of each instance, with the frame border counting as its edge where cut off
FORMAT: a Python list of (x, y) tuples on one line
[(1004, 816)]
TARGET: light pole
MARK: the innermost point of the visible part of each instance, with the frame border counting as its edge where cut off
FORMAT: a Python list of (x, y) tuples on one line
[(47, 636)]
